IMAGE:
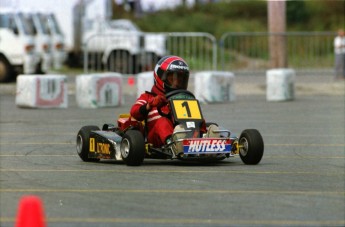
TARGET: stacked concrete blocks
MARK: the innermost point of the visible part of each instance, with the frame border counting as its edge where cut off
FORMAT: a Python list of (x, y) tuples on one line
[(99, 90), (214, 86), (144, 82), (41, 91), (280, 84)]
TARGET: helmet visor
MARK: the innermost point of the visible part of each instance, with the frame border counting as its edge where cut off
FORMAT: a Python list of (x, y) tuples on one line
[(176, 80)]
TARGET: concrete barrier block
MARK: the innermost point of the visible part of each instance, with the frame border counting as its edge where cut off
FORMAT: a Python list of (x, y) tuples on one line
[(144, 82), (280, 84), (99, 90), (41, 91), (214, 86)]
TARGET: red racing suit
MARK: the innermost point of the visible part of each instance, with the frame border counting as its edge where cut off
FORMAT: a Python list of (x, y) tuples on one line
[(159, 128)]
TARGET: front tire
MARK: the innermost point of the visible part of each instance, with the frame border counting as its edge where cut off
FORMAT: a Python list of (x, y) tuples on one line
[(133, 148), (251, 146), (83, 145)]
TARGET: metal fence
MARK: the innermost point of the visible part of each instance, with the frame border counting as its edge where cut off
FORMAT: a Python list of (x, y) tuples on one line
[(128, 53), (310, 52)]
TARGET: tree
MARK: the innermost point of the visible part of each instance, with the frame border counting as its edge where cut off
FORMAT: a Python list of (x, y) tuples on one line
[(277, 40)]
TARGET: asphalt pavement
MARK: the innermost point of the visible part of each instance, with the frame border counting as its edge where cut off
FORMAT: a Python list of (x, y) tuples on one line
[(299, 182)]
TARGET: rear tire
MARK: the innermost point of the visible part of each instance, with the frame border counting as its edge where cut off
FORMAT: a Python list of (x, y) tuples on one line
[(133, 148), (251, 146), (83, 145)]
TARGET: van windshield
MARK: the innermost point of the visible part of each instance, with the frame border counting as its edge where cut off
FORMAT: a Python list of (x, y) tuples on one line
[(24, 25), (31, 23), (123, 25), (53, 25), (16, 22), (43, 24), (4, 21)]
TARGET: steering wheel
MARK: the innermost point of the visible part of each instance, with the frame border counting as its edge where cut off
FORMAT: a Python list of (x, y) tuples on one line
[(179, 91), (169, 95)]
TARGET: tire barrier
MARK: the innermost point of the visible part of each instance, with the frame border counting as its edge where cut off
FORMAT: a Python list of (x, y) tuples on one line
[(99, 90), (106, 89), (280, 84), (41, 91), (214, 86), (144, 82)]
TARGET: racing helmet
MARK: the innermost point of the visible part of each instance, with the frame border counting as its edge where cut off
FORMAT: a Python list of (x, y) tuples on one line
[(171, 73)]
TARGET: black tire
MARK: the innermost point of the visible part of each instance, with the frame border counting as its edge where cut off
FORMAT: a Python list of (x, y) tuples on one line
[(120, 61), (83, 145), (150, 62), (39, 69), (133, 148), (251, 146), (6, 70)]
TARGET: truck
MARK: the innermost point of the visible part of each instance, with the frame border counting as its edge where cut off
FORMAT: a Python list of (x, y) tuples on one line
[(121, 46), (17, 46), (113, 45), (42, 40), (57, 39)]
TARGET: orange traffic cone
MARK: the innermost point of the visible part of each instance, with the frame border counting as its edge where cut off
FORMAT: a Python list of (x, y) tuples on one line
[(30, 212), (131, 81)]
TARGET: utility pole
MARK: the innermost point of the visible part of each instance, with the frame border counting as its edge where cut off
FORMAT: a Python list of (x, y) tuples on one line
[(277, 40)]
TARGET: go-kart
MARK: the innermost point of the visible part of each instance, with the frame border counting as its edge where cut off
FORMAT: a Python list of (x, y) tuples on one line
[(127, 141)]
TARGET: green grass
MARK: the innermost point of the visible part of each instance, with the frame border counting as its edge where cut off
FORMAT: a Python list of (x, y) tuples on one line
[(241, 16)]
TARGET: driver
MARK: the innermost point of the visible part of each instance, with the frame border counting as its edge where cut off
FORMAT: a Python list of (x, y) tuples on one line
[(170, 73)]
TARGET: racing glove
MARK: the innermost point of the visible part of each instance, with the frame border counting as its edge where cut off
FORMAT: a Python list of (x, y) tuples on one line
[(157, 101)]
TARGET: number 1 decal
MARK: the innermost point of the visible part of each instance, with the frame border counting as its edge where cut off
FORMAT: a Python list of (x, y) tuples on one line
[(187, 109), (185, 104)]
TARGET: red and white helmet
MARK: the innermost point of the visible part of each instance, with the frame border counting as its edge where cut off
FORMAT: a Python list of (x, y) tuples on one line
[(171, 73)]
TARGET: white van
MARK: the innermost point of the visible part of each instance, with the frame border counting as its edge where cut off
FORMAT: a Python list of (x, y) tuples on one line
[(57, 39), (42, 41), (17, 46)]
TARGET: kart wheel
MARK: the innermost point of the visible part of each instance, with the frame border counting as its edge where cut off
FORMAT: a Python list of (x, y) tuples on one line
[(251, 146), (83, 145), (133, 148)]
